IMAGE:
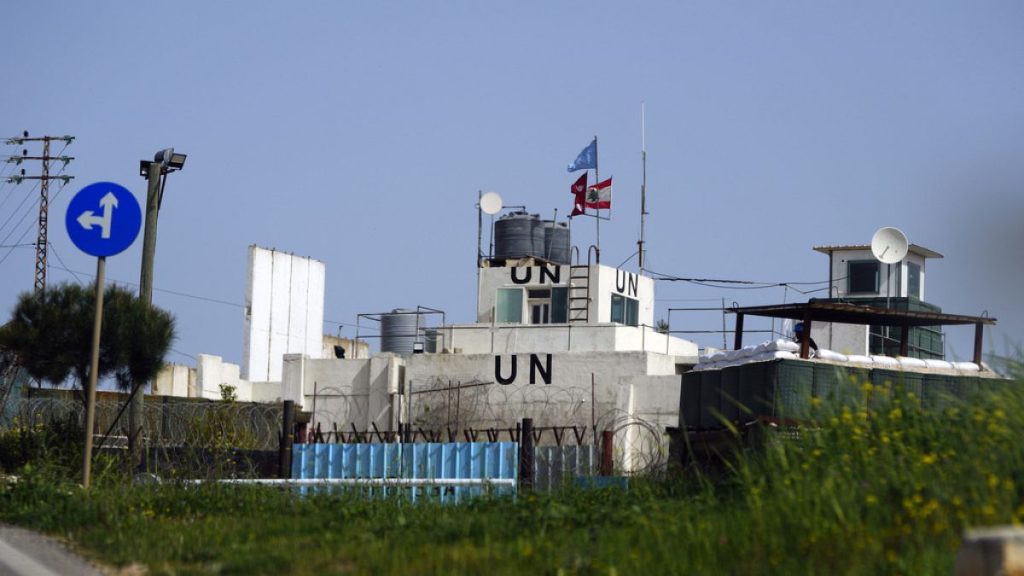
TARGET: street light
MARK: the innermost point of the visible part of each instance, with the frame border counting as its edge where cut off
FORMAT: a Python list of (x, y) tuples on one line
[(168, 161), (155, 172)]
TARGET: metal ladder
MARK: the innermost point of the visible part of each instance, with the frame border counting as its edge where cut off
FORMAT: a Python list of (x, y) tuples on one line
[(579, 293), (579, 287)]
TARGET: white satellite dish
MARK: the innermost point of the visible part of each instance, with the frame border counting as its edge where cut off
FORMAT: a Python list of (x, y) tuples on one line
[(490, 203), (889, 245)]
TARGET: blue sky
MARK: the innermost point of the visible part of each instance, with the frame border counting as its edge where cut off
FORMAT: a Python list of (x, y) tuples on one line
[(360, 133)]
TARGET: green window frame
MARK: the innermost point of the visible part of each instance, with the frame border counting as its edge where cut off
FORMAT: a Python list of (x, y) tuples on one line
[(508, 306), (559, 305), (863, 277), (913, 280), (625, 310)]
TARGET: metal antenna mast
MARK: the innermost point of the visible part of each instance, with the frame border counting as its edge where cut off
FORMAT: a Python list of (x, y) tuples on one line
[(44, 192), (641, 251)]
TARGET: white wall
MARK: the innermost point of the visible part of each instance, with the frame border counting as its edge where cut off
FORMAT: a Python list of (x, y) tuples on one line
[(364, 391), (491, 279), (483, 338), (212, 372), (889, 277), (174, 380), (650, 404), (842, 338), (629, 284), (603, 282), (284, 311), (437, 392)]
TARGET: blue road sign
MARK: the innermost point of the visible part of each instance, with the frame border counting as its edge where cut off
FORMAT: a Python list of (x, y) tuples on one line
[(103, 219)]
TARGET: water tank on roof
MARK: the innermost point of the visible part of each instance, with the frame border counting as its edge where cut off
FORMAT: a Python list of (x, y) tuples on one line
[(556, 242), (400, 330), (430, 340), (518, 235)]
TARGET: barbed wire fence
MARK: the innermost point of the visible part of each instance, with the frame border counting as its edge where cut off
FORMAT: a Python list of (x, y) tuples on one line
[(218, 439), (188, 438), (445, 410)]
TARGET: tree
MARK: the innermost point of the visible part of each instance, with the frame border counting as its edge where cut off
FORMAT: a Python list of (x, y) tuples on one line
[(661, 326), (50, 334)]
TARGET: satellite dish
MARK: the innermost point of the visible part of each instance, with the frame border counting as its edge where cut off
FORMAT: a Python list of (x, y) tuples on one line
[(889, 245), (490, 203)]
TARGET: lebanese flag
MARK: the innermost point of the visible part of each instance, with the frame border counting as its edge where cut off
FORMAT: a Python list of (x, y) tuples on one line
[(600, 195), (579, 190)]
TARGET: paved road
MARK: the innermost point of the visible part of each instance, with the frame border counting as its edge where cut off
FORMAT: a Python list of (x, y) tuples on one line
[(26, 553)]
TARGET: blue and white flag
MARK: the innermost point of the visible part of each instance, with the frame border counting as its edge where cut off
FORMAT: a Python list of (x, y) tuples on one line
[(587, 160)]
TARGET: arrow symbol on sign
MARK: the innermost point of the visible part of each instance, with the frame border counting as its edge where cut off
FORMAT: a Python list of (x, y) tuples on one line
[(87, 219)]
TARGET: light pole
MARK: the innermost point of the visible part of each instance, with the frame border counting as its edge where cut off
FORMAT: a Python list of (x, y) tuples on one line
[(155, 172)]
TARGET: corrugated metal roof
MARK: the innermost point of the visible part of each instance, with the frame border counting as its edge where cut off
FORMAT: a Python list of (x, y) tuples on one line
[(849, 313), (916, 249)]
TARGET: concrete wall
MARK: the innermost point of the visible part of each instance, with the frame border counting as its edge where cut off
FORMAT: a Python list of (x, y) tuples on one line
[(842, 338), (212, 372), (284, 311), (491, 279), (477, 390), (629, 284), (483, 338), (603, 282), (650, 405), (353, 348), (174, 380), (633, 394), (205, 380)]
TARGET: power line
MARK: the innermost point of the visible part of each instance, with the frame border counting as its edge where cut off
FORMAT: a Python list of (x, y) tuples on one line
[(44, 178), (29, 228), (16, 209), (729, 284), (15, 227), (61, 260), (209, 299)]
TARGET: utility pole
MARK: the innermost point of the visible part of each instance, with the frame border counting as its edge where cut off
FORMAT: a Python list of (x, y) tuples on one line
[(155, 172), (44, 191), (135, 411)]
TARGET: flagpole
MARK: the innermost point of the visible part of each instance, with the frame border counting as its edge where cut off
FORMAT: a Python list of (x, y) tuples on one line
[(597, 180)]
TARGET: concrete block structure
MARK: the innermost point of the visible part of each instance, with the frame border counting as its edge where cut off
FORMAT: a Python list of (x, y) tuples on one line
[(284, 311)]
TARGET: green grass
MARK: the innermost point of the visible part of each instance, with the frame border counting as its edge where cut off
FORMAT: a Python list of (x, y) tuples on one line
[(885, 491)]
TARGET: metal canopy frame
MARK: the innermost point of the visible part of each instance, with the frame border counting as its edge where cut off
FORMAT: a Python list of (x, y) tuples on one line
[(848, 313)]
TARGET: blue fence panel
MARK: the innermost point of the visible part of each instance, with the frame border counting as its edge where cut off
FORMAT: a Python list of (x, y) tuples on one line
[(554, 465), (440, 462)]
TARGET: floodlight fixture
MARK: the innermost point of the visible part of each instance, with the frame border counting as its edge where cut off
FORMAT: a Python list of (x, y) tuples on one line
[(170, 159)]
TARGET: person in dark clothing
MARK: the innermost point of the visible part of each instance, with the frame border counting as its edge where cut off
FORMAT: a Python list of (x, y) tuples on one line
[(798, 331)]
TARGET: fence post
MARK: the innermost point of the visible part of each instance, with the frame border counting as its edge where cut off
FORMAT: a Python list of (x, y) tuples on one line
[(284, 455), (607, 464), (526, 455)]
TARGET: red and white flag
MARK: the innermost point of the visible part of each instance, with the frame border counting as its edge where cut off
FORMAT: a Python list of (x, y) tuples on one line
[(579, 190), (599, 195)]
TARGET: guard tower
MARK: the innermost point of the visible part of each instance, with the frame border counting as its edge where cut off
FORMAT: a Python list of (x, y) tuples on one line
[(856, 276)]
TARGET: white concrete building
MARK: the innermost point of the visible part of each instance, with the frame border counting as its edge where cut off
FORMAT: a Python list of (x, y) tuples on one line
[(563, 345)]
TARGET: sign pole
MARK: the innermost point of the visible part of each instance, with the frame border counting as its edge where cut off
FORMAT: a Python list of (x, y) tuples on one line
[(102, 220), (94, 367)]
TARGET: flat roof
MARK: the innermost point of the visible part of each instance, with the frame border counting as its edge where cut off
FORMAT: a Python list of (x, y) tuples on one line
[(919, 250), (848, 313)]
